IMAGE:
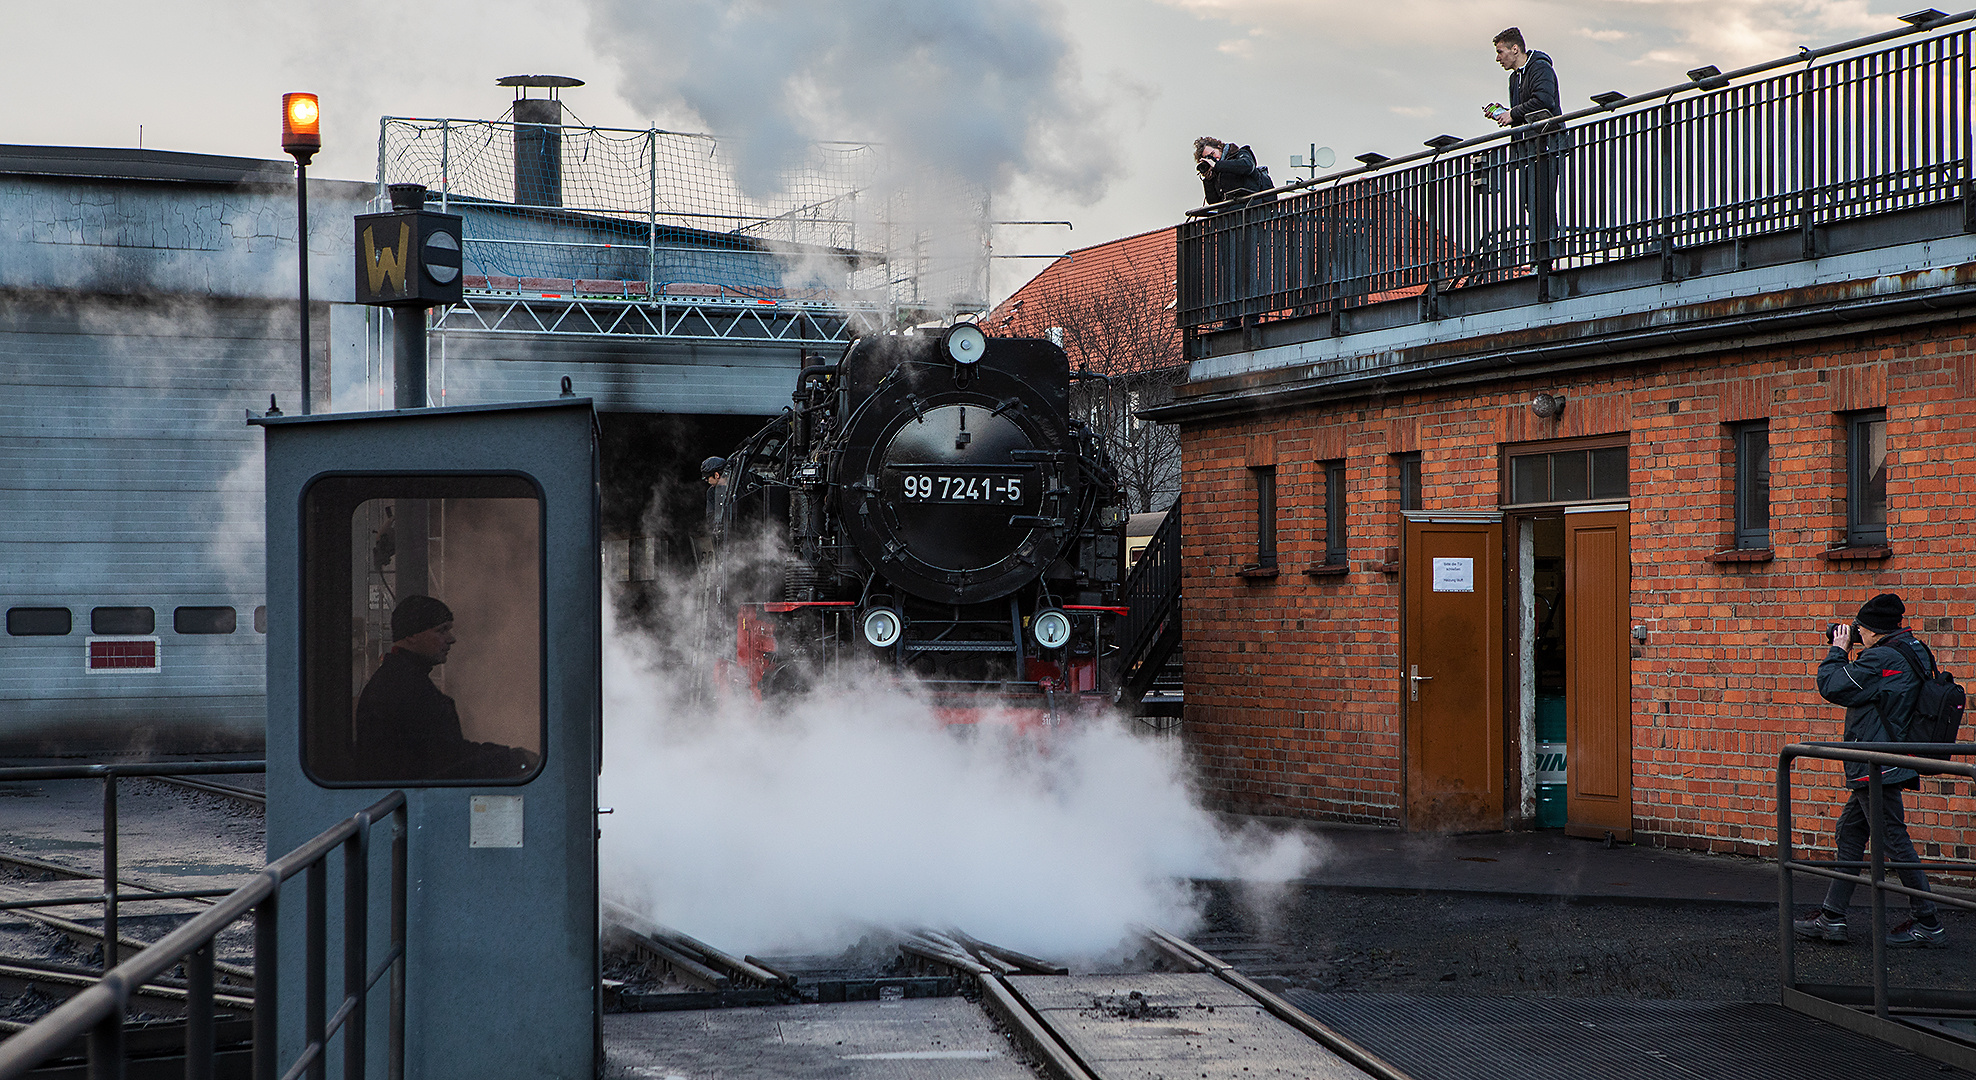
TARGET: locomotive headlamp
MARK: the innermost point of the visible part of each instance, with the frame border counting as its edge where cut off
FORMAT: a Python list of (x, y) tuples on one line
[(966, 344), (301, 126), (1052, 628), (882, 627)]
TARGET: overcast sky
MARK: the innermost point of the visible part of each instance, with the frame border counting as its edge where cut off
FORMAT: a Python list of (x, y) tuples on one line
[(1083, 110)]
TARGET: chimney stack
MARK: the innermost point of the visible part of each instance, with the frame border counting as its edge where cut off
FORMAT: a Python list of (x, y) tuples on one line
[(539, 138)]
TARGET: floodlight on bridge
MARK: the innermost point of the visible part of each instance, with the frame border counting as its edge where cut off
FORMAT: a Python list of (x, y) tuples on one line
[(1708, 76), (1441, 142), (1372, 157), (1608, 99), (1924, 17)]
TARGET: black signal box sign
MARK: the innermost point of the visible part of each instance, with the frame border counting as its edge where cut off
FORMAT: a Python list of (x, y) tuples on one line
[(408, 258)]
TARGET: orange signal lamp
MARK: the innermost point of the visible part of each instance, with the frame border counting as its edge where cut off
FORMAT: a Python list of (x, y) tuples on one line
[(301, 126)]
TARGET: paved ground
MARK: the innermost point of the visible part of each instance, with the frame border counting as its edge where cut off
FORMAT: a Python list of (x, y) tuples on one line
[(1539, 913)]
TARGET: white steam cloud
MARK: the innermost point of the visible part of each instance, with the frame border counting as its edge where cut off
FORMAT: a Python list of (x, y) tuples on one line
[(803, 825), (985, 91)]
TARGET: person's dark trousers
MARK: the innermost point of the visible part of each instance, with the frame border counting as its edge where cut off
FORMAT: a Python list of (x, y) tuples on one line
[(1852, 834)]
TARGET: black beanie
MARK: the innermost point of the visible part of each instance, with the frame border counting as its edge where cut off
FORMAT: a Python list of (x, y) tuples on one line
[(1883, 613), (417, 614)]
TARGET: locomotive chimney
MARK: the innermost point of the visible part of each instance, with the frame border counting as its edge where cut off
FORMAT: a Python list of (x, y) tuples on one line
[(539, 138)]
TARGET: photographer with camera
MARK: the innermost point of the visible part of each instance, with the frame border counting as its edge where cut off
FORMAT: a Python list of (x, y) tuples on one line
[(1228, 171), (1879, 688)]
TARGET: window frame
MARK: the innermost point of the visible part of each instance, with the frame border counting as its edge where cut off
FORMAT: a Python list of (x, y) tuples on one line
[(1408, 467), (1508, 452), (1858, 426), (23, 627), (1266, 550), (1335, 537), (1745, 487)]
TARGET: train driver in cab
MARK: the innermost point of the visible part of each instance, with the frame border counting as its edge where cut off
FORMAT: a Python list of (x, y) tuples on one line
[(407, 729)]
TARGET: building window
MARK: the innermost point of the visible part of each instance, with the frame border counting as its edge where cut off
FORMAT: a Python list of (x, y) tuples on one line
[(1568, 476), (1866, 479), (1334, 513), (261, 619), (1409, 465), (1752, 484), (123, 620), (203, 620), (1265, 517), (39, 621)]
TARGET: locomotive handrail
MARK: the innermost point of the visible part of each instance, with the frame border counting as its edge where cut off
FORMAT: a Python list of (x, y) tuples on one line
[(98, 1011), (1837, 1003)]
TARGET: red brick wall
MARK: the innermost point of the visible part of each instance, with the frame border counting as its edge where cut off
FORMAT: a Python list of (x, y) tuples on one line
[(1292, 682)]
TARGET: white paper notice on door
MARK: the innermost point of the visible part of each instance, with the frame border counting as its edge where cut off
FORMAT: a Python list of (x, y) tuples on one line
[(1454, 575)]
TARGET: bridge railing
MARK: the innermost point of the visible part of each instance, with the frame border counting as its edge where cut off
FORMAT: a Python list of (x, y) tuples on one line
[(1841, 1004), (1778, 148), (98, 1012)]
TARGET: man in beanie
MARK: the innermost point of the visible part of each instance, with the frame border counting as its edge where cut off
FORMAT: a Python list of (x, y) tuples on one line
[(1878, 689), (406, 728)]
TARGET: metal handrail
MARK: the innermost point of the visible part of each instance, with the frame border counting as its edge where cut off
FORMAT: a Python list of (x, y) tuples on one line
[(1842, 136), (1151, 593), (111, 899), (1879, 756), (98, 1011)]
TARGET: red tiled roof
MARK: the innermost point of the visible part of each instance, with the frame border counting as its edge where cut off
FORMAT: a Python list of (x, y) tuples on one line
[(1135, 272)]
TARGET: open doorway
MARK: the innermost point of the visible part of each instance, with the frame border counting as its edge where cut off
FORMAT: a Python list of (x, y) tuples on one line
[(1542, 678)]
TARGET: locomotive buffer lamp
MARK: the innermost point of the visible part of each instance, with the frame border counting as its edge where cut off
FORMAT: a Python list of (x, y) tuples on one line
[(301, 137)]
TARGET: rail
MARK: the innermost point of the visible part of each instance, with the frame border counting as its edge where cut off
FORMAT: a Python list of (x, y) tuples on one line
[(1840, 1003), (97, 1013), (1843, 135), (1150, 630), (112, 898)]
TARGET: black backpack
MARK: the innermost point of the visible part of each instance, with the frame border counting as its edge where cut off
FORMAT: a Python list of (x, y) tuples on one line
[(1937, 715)]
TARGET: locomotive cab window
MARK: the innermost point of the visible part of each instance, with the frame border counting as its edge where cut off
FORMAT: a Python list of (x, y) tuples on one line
[(422, 630)]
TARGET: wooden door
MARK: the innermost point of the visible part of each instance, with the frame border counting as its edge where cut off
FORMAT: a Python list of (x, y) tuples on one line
[(1598, 684), (1451, 675)]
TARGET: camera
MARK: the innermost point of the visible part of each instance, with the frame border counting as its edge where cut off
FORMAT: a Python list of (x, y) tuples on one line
[(1204, 167), (1852, 638)]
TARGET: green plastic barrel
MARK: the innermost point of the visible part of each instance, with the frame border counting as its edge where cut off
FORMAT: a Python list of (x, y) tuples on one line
[(1550, 761)]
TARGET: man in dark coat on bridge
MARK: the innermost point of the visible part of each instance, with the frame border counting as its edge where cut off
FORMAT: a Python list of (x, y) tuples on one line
[(1532, 82), (1227, 170)]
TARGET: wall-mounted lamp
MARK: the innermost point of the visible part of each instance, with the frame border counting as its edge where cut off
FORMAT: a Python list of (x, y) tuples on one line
[(1640, 634), (1547, 405)]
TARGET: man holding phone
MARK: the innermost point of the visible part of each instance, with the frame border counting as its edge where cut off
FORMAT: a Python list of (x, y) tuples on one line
[(1878, 688)]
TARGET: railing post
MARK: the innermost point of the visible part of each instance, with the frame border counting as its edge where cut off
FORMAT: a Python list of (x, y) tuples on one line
[(1808, 164), (651, 213), (1875, 797), (316, 978), (109, 869), (199, 1013), (395, 1050), (106, 1056), (1787, 954), (267, 1026), (356, 935)]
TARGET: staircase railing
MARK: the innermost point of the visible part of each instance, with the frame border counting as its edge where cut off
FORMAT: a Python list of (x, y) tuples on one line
[(1151, 629)]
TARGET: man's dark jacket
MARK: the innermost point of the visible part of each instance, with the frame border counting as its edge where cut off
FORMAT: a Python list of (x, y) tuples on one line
[(1878, 690), (1533, 87), (408, 730), (1234, 174)]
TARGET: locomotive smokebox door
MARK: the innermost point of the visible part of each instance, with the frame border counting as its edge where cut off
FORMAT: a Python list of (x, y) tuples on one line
[(409, 258), (434, 627)]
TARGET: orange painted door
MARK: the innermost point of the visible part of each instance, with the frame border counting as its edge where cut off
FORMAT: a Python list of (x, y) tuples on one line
[(1451, 677), (1598, 675)]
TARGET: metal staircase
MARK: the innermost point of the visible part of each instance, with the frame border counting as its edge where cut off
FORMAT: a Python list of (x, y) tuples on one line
[(1149, 635)]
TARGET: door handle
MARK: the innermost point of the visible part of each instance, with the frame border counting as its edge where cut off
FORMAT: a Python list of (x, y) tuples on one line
[(1415, 679)]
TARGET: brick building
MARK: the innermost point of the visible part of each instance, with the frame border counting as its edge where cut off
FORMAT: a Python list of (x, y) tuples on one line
[(1585, 495)]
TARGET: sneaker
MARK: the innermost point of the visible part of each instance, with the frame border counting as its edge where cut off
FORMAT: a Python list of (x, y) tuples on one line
[(1914, 935), (1823, 926)]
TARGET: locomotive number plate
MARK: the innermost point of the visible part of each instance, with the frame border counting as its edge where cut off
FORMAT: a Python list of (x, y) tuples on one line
[(979, 488)]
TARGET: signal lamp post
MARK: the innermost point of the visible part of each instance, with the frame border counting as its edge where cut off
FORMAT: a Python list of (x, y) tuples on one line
[(301, 136)]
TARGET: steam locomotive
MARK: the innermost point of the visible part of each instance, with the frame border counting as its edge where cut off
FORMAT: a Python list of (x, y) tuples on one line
[(940, 511)]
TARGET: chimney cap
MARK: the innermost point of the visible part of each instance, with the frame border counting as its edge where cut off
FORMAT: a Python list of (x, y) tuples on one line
[(553, 82)]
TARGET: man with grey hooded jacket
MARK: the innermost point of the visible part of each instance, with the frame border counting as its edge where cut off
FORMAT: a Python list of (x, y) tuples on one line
[(1879, 690)]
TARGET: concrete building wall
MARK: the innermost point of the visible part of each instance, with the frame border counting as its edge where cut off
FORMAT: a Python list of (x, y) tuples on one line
[(1295, 701)]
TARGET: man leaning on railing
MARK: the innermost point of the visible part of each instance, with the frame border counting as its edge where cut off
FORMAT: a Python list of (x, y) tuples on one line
[(1879, 689)]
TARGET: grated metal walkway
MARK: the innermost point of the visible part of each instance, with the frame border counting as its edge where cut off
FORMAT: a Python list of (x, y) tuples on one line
[(1433, 1038)]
